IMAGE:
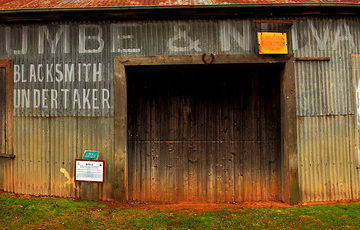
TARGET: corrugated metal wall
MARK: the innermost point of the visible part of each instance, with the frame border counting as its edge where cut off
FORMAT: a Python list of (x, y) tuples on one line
[(327, 163), (325, 108), (45, 150), (48, 140), (355, 65)]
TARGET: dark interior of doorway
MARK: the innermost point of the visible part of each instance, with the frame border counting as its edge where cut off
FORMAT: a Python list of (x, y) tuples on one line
[(209, 133)]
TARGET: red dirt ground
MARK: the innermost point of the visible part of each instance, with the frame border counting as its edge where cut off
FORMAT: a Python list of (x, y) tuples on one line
[(217, 206), (211, 206), (202, 207), (194, 205)]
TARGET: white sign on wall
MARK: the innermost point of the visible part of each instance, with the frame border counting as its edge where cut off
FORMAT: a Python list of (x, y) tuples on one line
[(89, 170)]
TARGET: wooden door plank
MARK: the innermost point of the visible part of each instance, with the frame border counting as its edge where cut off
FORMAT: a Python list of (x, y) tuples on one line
[(207, 146)]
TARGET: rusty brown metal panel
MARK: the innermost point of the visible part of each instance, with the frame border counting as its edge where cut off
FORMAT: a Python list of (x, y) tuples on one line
[(327, 160), (46, 148), (31, 146), (5, 173), (63, 137), (355, 65), (55, 4), (324, 87), (97, 134), (80, 83), (327, 146), (2, 110), (324, 93), (6, 145)]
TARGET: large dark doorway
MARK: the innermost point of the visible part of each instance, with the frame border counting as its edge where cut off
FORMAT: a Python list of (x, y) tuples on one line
[(204, 133)]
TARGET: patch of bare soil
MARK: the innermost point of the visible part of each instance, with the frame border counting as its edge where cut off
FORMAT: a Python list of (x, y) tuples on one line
[(195, 206), (215, 206)]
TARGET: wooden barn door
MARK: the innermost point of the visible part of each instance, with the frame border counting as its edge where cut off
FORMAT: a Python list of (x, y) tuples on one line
[(204, 133)]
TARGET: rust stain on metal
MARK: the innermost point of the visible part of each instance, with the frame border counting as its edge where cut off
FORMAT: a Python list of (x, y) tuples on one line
[(274, 21), (46, 149), (327, 160), (35, 4), (312, 59)]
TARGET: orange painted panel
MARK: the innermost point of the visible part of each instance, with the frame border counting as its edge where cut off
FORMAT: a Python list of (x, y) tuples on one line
[(272, 43)]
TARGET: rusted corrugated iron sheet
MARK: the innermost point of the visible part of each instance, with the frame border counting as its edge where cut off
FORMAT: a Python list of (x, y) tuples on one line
[(325, 87), (355, 66), (327, 147), (327, 160), (48, 140), (46, 149), (37, 65), (77, 80), (35, 4)]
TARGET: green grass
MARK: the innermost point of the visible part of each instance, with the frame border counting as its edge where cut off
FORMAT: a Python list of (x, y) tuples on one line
[(53, 213)]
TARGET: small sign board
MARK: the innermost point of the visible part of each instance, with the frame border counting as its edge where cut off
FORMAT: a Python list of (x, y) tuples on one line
[(272, 43), (91, 155), (89, 170)]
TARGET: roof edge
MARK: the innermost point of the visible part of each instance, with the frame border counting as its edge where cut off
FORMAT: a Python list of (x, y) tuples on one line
[(134, 8)]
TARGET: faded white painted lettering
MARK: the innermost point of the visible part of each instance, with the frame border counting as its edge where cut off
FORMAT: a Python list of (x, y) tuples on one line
[(16, 98), (120, 42), (40, 76), (25, 98), (182, 42), (44, 98), (65, 96), (343, 34), (17, 74), (63, 31), (228, 34), (32, 73), (322, 40), (36, 98), (23, 45), (83, 37), (59, 76)]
